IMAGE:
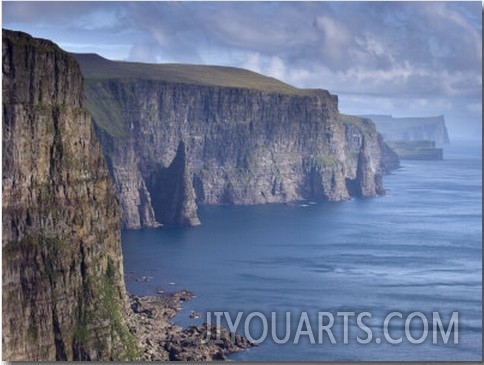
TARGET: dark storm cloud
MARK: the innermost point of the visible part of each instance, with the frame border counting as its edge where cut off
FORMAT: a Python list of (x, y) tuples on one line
[(424, 55)]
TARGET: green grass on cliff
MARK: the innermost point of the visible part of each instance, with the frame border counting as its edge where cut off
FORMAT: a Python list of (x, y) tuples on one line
[(95, 67), (352, 119), (363, 124), (105, 110)]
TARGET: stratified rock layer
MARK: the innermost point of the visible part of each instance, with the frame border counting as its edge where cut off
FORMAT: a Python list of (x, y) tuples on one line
[(176, 139), (63, 289)]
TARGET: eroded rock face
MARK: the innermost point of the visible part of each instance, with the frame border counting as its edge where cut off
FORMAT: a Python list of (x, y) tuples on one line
[(239, 145), (63, 289)]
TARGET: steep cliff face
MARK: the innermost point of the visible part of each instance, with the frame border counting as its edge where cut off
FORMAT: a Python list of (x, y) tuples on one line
[(412, 129), (367, 157), (237, 138), (63, 290)]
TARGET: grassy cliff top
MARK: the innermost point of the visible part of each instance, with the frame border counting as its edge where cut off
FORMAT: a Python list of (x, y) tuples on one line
[(94, 66), (364, 124), (22, 39)]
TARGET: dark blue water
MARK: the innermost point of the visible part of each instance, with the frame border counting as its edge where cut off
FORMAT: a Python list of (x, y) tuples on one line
[(417, 249)]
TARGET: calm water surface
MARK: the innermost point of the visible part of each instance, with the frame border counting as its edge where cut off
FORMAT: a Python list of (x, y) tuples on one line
[(419, 248)]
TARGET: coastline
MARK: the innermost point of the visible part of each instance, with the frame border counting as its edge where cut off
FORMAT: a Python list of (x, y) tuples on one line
[(149, 320)]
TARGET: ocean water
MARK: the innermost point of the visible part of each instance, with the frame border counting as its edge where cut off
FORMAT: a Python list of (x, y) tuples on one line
[(417, 249)]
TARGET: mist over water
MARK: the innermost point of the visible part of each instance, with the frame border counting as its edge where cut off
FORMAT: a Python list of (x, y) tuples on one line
[(418, 248)]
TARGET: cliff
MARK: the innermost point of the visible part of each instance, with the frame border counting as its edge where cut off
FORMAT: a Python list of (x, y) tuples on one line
[(412, 129), (178, 136), (63, 290)]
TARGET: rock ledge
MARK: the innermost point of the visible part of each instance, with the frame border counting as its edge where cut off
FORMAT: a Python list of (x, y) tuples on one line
[(149, 321)]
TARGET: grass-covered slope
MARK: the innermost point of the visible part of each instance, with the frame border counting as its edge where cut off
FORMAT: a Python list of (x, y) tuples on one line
[(96, 67)]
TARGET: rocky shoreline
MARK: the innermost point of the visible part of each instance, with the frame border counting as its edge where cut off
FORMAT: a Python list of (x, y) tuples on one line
[(148, 319)]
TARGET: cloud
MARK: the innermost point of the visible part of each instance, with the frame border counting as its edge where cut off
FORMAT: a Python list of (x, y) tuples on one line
[(277, 68), (142, 51), (253, 62), (396, 51), (336, 38)]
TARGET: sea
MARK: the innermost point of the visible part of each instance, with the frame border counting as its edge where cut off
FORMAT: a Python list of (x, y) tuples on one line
[(382, 270)]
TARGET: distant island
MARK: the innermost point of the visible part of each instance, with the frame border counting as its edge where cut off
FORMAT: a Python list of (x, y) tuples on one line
[(413, 138)]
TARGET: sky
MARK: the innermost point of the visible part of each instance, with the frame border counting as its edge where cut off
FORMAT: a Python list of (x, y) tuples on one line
[(401, 58)]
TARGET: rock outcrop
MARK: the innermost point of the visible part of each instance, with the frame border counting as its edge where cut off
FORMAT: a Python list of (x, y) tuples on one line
[(162, 340), (367, 157), (177, 136), (63, 290)]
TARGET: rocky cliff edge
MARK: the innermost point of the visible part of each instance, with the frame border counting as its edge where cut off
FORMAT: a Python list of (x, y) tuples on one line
[(180, 136), (63, 289), (63, 294)]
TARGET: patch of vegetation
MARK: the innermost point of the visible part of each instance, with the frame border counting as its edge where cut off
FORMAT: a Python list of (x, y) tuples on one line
[(351, 119), (350, 155), (42, 108), (32, 334), (56, 243), (82, 334), (362, 124), (248, 163), (27, 243), (21, 39), (111, 302), (104, 109), (52, 249), (107, 311), (365, 127), (56, 249), (325, 161), (110, 271), (203, 173)]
